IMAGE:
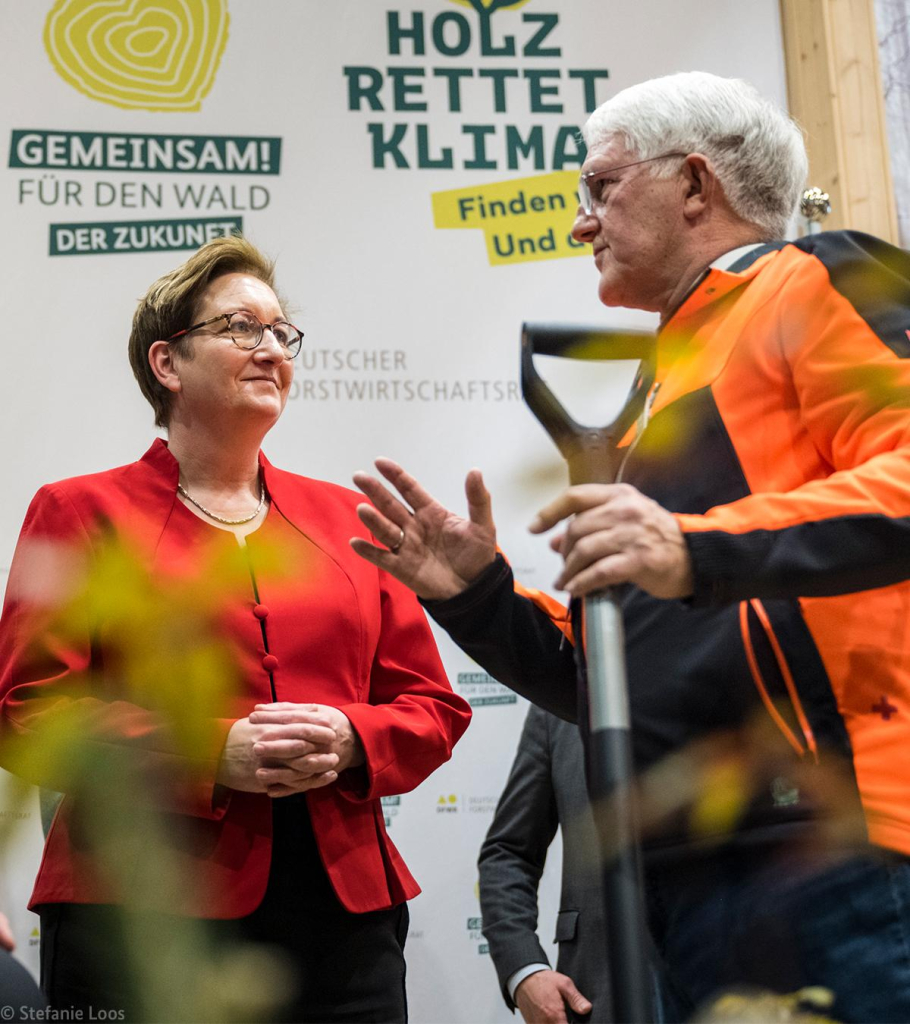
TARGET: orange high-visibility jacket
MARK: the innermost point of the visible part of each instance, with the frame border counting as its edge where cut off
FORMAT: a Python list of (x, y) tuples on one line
[(780, 437)]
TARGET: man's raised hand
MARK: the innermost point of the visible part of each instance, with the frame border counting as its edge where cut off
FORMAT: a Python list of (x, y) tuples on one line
[(434, 552)]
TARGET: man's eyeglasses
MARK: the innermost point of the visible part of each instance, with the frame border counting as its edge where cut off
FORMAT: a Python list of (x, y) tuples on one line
[(246, 330), (591, 185)]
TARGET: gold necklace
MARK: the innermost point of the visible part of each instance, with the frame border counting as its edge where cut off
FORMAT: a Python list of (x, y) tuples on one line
[(221, 519)]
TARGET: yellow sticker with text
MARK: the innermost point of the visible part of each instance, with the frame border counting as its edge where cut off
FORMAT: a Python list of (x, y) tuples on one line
[(522, 220)]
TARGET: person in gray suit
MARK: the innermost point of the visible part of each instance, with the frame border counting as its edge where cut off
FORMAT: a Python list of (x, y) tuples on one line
[(545, 791)]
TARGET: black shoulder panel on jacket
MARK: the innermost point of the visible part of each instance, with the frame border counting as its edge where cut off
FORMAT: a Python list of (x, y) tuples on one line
[(873, 276), (744, 262)]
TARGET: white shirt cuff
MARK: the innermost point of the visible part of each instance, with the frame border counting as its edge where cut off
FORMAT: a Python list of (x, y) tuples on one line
[(519, 976)]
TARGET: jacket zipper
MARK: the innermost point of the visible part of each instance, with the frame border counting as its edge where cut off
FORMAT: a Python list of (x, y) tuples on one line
[(639, 430)]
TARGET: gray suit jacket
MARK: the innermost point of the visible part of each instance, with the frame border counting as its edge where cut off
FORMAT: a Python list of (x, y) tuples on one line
[(545, 790)]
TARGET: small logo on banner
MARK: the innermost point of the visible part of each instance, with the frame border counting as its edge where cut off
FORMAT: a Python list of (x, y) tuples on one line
[(447, 804), (138, 55), (475, 934), (451, 803), (481, 690), (391, 805)]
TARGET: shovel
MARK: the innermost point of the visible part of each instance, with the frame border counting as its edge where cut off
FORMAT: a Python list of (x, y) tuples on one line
[(593, 456)]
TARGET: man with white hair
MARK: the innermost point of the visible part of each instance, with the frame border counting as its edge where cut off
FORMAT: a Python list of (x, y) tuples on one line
[(760, 546)]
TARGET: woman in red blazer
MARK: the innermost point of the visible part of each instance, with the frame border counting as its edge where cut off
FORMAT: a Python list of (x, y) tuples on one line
[(273, 819)]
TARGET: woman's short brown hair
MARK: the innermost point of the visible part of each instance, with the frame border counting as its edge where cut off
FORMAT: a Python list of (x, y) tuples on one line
[(170, 304)]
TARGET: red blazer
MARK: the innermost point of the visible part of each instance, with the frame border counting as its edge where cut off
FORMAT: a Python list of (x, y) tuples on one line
[(326, 627)]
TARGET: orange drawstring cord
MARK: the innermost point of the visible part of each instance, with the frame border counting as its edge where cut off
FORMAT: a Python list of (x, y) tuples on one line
[(789, 682), (778, 719)]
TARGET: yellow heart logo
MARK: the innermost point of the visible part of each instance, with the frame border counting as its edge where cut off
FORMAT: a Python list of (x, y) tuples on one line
[(138, 54)]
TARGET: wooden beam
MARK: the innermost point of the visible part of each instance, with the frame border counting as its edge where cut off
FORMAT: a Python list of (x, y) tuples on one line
[(835, 92)]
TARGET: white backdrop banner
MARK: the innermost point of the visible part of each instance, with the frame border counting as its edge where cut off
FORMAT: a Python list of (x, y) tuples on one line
[(412, 167)]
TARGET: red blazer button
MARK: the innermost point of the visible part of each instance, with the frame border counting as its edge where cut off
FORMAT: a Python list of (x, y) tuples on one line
[(260, 611), (270, 663)]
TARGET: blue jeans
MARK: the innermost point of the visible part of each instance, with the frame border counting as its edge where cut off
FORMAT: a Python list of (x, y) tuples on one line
[(740, 919)]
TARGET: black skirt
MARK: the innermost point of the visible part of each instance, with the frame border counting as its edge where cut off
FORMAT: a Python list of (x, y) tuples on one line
[(329, 964)]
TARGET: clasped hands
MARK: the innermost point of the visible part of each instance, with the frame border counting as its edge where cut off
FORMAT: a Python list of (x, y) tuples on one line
[(614, 535), (286, 748)]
